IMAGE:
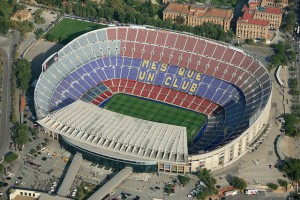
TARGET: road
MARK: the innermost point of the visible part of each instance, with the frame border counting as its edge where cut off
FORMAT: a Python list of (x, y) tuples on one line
[(7, 52)]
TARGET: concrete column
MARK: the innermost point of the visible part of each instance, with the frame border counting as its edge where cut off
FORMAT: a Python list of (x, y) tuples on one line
[(208, 163), (243, 146), (215, 161), (226, 156), (235, 150)]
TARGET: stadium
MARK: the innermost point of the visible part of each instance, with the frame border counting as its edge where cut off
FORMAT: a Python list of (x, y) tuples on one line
[(153, 99)]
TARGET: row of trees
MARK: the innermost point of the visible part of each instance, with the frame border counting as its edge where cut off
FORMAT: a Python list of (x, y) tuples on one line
[(135, 12), (1, 71), (21, 132), (23, 74), (291, 20), (293, 82), (283, 54)]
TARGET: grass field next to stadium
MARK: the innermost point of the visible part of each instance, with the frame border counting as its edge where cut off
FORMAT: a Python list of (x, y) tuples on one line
[(68, 29), (157, 112)]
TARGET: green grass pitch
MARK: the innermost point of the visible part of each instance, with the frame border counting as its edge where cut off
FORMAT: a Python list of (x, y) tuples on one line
[(69, 29), (157, 112)]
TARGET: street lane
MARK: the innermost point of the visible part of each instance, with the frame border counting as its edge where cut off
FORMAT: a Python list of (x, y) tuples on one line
[(7, 52)]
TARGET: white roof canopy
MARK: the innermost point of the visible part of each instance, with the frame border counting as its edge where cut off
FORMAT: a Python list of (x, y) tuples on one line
[(124, 137)]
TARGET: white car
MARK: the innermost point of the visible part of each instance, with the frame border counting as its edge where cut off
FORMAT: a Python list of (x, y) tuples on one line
[(230, 193), (1, 193), (189, 196), (22, 183), (73, 194)]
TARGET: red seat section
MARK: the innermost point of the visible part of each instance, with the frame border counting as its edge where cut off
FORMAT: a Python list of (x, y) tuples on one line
[(111, 34), (171, 39), (121, 33), (151, 37)]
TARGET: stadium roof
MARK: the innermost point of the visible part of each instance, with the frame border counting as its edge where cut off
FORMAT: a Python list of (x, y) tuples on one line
[(116, 135), (70, 176), (111, 184)]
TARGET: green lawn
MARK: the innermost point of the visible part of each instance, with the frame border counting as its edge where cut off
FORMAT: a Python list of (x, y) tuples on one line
[(68, 29), (157, 112)]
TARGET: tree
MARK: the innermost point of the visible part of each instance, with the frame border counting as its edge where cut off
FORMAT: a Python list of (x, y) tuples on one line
[(52, 38), (279, 48), (32, 151), (38, 148), (47, 140), (283, 183), (38, 12), (210, 189), (275, 61), (69, 10), (249, 41), (292, 168), (33, 132), (238, 183), (37, 17), (290, 22), (168, 188), (10, 157), (290, 121), (4, 25), (183, 180), (23, 73), (63, 10), (81, 192), (272, 186), (291, 56), (179, 20), (202, 195), (38, 33), (20, 134), (1, 168)]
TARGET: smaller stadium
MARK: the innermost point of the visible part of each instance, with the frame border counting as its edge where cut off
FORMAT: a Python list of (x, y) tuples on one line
[(153, 99)]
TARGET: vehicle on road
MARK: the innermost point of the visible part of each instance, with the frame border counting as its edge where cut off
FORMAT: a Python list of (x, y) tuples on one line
[(250, 191), (230, 193)]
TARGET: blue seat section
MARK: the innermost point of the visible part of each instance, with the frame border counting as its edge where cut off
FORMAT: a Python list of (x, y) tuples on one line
[(94, 92), (222, 127)]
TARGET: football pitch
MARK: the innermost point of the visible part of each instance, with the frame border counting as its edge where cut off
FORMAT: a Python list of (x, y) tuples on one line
[(157, 112), (68, 29)]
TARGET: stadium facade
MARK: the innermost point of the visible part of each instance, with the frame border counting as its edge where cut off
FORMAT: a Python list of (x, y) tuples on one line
[(226, 84)]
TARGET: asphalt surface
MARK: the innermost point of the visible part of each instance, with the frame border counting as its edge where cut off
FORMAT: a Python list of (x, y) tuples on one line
[(7, 52)]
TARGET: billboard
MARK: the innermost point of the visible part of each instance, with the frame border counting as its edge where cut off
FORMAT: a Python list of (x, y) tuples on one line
[(52, 59)]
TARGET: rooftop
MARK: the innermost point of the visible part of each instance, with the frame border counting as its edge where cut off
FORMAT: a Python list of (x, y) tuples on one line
[(199, 11), (273, 10), (70, 176), (248, 17), (22, 103), (117, 135)]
